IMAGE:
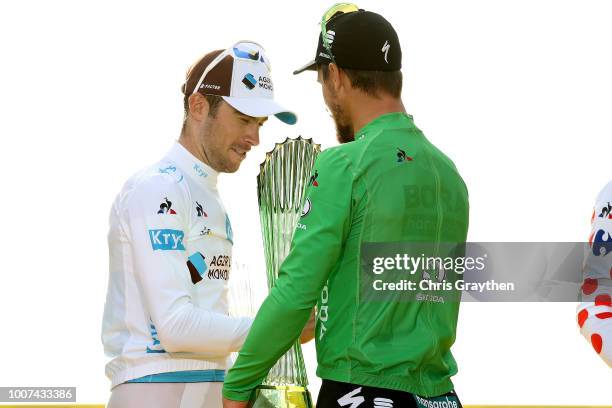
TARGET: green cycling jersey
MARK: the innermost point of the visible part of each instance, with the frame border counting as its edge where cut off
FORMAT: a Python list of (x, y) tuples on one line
[(390, 185)]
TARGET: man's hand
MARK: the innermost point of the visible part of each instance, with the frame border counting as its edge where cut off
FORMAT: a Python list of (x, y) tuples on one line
[(308, 333), (234, 404)]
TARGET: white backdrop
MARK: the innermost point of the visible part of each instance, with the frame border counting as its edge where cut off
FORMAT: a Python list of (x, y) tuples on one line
[(517, 93)]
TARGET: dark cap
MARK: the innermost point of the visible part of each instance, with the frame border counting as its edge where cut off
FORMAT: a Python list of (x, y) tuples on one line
[(360, 40), (197, 69)]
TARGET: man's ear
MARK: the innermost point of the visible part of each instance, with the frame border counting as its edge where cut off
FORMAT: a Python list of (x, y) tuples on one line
[(337, 77), (198, 107)]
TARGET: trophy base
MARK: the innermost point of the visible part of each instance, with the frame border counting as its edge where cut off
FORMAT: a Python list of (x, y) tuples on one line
[(281, 396)]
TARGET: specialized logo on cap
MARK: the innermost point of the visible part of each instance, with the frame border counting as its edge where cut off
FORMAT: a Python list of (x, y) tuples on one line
[(330, 35), (249, 81), (385, 49)]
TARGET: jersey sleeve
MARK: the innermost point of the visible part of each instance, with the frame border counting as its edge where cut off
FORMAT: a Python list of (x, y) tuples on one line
[(595, 310), (157, 223), (315, 250)]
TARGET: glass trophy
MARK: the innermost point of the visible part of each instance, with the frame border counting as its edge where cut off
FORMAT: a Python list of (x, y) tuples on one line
[(281, 185)]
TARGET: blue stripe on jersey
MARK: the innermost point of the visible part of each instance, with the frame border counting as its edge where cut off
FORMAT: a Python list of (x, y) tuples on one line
[(193, 376)]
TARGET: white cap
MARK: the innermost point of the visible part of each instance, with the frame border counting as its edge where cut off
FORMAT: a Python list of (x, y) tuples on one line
[(241, 75)]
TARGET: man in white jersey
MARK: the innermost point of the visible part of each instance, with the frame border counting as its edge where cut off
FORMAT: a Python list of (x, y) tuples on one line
[(166, 326), (595, 310)]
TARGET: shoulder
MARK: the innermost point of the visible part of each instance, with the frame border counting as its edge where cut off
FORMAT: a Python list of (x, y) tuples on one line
[(155, 185), (335, 159)]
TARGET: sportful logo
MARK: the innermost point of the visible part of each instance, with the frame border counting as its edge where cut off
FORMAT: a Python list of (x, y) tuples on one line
[(385, 50), (167, 239), (383, 403), (166, 207), (249, 81), (437, 402)]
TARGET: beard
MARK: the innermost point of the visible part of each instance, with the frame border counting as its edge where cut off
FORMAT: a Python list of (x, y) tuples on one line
[(344, 127), (217, 156)]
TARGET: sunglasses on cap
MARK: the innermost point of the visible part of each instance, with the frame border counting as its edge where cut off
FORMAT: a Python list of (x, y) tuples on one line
[(333, 11), (244, 50)]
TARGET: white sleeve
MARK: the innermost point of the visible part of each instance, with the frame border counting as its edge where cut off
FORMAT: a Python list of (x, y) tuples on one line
[(595, 310), (160, 269)]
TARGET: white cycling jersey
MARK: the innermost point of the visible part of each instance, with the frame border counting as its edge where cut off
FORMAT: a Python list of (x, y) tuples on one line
[(170, 245), (595, 310)]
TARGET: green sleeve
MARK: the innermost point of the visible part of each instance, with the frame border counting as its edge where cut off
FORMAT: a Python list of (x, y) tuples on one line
[(315, 250)]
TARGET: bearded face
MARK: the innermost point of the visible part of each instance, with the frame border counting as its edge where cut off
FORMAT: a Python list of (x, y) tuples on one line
[(344, 127), (345, 131), (227, 137)]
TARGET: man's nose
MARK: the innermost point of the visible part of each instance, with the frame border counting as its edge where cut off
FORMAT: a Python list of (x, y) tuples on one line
[(252, 136)]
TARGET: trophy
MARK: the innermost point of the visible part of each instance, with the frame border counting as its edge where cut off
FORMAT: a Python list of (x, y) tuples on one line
[(281, 182)]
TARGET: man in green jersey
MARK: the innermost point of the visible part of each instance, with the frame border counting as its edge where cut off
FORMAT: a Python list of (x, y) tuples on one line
[(385, 183)]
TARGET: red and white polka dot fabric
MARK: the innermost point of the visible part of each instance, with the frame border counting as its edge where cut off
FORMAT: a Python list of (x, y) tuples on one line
[(595, 310)]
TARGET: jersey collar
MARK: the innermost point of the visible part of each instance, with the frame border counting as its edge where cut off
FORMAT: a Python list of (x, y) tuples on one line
[(192, 167), (397, 119)]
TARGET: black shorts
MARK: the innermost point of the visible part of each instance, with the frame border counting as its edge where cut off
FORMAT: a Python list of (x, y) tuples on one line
[(334, 394)]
